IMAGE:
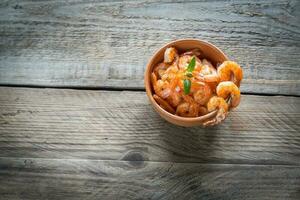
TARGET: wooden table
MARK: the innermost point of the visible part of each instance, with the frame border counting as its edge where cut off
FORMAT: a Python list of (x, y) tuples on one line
[(75, 122)]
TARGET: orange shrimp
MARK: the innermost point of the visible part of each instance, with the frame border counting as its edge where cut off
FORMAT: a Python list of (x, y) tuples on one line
[(207, 63), (170, 54), (207, 73), (165, 105), (229, 69), (201, 92), (193, 52), (216, 102), (186, 109), (212, 86), (174, 98), (202, 110), (170, 73), (220, 104), (160, 69), (161, 88), (189, 108), (228, 88)]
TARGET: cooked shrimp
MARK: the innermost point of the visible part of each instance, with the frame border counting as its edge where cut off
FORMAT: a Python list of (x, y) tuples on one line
[(206, 62), (183, 109), (160, 69), (186, 109), (210, 78), (161, 88), (189, 108), (228, 69), (202, 110), (228, 88), (189, 99), (220, 104), (165, 105), (174, 98), (170, 73), (207, 68), (207, 73), (201, 92), (193, 52), (196, 85), (166, 90), (216, 102), (184, 61), (170, 55)]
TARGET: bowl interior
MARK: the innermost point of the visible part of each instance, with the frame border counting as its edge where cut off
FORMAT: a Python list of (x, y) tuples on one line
[(209, 51)]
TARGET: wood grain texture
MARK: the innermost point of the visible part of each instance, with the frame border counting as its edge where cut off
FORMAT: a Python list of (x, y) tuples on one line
[(107, 44), (113, 125), (29, 178)]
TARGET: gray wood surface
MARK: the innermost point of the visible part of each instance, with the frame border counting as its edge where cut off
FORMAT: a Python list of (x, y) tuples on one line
[(89, 144), (28, 178), (107, 44), (113, 125), (97, 144)]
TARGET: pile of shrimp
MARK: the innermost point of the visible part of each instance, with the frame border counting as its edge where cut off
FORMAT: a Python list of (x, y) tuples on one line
[(211, 88)]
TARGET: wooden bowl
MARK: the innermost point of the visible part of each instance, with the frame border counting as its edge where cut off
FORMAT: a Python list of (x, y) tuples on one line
[(209, 51)]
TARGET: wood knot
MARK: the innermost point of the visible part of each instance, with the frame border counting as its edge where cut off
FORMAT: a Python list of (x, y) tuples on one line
[(17, 6), (134, 158)]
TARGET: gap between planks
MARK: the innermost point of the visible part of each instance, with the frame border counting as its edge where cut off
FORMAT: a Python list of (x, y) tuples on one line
[(132, 89), (152, 161)]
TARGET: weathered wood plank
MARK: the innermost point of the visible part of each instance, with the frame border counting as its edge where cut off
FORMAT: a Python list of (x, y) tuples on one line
[(29, 178), (107, 44), (113, 125)]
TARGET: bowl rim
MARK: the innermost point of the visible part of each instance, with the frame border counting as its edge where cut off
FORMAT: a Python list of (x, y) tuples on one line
[(147, 81)]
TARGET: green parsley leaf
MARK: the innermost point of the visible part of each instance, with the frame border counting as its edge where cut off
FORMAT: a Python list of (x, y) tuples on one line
[(192, 64), (186, 86)]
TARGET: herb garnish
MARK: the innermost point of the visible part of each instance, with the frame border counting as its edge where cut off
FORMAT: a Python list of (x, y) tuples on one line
[(187, 86), (187, 82), (192, 64)]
